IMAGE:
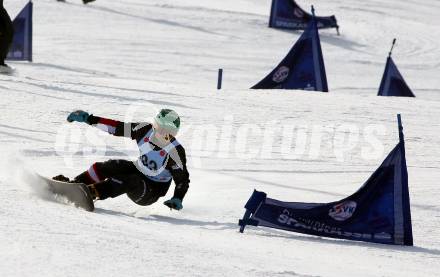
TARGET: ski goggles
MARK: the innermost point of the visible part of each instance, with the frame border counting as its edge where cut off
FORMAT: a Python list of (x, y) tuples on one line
[(162, 132)]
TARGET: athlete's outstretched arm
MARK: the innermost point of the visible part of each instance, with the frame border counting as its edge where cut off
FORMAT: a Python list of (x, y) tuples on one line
[(113, 127)]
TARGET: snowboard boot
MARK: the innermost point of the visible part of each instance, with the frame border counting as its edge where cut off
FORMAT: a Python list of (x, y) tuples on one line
[(87, 1), (93, 191), (61, 178)]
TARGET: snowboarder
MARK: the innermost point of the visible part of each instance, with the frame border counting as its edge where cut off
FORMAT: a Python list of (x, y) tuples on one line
[(162, 159), (6, 35)]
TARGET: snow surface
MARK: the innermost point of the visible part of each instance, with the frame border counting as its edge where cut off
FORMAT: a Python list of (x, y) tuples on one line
[(125, 59)]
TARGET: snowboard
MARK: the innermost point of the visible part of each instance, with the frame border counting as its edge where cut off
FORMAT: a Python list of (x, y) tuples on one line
[(76, 193)]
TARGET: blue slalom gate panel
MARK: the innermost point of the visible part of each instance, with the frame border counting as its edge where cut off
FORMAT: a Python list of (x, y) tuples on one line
[(392, 83), (287, 14), (378, 212), (303, 67), (21, 47)]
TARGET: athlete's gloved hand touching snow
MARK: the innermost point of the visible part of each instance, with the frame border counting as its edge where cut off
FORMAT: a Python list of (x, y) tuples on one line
[(78, 116), (174, 203)]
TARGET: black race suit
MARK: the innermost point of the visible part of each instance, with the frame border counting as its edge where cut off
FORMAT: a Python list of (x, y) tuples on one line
[(115, 177)]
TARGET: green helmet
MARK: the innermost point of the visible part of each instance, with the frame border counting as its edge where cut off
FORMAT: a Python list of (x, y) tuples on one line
[(167, 122)]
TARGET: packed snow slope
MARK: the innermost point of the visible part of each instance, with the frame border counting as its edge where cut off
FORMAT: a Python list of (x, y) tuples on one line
[(126, 59)]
